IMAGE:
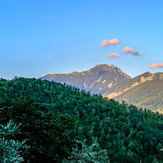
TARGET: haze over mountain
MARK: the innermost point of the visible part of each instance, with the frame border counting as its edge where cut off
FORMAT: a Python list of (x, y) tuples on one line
[(144, 90)]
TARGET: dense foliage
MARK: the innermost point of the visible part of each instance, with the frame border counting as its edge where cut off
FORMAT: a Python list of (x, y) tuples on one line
[(49, 136), (127, 133), (11, 150)]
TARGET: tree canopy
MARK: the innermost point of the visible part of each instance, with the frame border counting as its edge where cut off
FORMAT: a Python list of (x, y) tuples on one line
[(54, 116)]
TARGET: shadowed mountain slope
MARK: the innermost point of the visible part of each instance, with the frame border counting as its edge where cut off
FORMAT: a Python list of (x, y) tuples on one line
[(100, 79)]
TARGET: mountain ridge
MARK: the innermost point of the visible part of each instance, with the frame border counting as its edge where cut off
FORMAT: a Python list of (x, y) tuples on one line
[(97, 79)]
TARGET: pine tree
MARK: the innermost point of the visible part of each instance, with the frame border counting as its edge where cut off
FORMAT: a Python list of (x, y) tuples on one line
[(10, 150), (82, 153)]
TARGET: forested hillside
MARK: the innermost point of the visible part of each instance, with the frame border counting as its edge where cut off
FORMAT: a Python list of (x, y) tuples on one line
[(53, 116), (148, 95)]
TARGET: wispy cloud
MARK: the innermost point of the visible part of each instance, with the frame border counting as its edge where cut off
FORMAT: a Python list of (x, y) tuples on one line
[(156, 65), (113, 55), (110, 42), (127, 49)]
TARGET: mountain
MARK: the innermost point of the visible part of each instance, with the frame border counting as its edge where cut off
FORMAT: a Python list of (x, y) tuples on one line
[(144, 90), (101, 79)]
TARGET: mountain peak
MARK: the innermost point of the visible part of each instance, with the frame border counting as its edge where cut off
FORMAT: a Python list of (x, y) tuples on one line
[(106, 67), (112, 66), (75, 73), (101, 66)]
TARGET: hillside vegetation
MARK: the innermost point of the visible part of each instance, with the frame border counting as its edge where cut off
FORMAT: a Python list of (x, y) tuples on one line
[(53, 116), (148, 95)]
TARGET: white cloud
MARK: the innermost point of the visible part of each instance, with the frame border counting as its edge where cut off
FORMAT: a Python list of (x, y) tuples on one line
[(113, 55), (156, 65), (110, 42), (127, 49)]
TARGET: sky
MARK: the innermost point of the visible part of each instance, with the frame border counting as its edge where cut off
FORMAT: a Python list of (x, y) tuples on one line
[(39, 37)]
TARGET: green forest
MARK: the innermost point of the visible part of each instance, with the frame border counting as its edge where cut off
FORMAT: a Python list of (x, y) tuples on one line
[(46, 122)]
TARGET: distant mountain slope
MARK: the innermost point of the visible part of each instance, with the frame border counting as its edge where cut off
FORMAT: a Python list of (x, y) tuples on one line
[(101, 79), (145, 90), (131, 84)]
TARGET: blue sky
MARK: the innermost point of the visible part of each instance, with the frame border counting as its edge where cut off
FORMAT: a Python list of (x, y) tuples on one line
[(39, 37)]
